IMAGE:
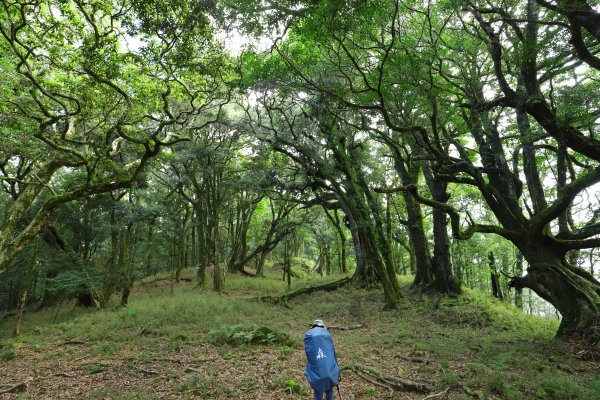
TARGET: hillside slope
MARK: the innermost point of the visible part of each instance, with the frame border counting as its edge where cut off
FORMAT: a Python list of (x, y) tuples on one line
[(181, 342)]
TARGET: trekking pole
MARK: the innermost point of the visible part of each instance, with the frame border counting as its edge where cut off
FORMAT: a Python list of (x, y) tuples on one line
[(339, 394)]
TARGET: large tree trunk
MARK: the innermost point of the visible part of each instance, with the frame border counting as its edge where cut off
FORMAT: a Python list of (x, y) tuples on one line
[(416, 232), (110, 273), (126, 264), (337, 223), (443, 280), (518, 272), (202, 245), (372, 253), (572, 290), (495, 279)]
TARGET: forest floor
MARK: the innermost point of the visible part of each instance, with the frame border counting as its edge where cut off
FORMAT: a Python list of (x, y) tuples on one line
[(180, 342)]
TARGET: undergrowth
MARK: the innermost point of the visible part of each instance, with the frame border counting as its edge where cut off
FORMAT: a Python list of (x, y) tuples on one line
[(476, 346)]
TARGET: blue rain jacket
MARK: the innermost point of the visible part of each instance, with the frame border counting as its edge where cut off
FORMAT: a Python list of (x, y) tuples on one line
[(322, 370)]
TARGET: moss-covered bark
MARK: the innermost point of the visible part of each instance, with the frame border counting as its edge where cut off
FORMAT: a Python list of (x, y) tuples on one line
[(572, 290)]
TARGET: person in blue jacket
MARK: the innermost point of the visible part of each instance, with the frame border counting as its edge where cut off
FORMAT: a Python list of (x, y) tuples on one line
[(322, 370)]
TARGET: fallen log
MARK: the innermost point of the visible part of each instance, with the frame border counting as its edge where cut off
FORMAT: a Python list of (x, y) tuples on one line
[(387, 381), (284, 298)]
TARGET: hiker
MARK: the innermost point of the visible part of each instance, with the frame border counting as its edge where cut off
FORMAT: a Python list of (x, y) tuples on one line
[(322, 370)]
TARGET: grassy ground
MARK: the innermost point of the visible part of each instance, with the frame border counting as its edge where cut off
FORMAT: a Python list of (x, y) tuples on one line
[(181, 342)]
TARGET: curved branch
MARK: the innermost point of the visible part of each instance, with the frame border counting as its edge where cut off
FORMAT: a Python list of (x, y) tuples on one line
[(564, 199), (455, 219)]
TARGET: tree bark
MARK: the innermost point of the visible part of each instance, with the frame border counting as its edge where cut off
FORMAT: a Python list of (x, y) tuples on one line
[(495, 279), (573, 291), (443, 280), (518, 272), (418, 241)]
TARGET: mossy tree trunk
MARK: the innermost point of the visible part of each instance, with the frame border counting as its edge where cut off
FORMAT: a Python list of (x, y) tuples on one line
[(420, 253), (25, 288), (443, 279), (126, 263), (494, 277), (573, 291), (518, 272)]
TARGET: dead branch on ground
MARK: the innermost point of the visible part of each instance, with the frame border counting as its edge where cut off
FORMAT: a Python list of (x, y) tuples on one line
[(145, 371), (431, 396), (387, 381), (412, 359), (16, 388)]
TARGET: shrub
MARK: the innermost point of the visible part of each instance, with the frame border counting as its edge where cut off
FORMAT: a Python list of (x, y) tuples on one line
[(7, 353)]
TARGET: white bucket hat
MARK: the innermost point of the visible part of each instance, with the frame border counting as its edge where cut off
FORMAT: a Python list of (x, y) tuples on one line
[(319, 322)]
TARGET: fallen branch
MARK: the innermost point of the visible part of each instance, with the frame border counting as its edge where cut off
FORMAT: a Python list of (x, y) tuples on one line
[(412, 359), (196, 371), (81, 358), (145, 371), (17, 387), (345, 328), (374, 381), (284, 298), (387, 381), (431, 396)]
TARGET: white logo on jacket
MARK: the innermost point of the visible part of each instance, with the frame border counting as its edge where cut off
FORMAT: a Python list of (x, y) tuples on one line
[(320, 354)]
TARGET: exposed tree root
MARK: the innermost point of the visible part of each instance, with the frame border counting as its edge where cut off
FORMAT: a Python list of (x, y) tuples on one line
[(387, 381), (243, 272), (307, 290)]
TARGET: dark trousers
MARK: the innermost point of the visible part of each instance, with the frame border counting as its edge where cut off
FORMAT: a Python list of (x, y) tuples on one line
[(328, 395)]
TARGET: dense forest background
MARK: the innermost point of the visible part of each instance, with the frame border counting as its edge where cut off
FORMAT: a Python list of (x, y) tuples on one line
[(452, 141)]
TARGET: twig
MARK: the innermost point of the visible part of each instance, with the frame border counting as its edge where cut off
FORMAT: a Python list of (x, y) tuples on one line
[(81, 358), (145, 371), (196, 371), (431, 396), (17, 387), (64, 374)]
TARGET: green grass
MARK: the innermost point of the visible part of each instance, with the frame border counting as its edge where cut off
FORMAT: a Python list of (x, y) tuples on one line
[(477, 346)]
